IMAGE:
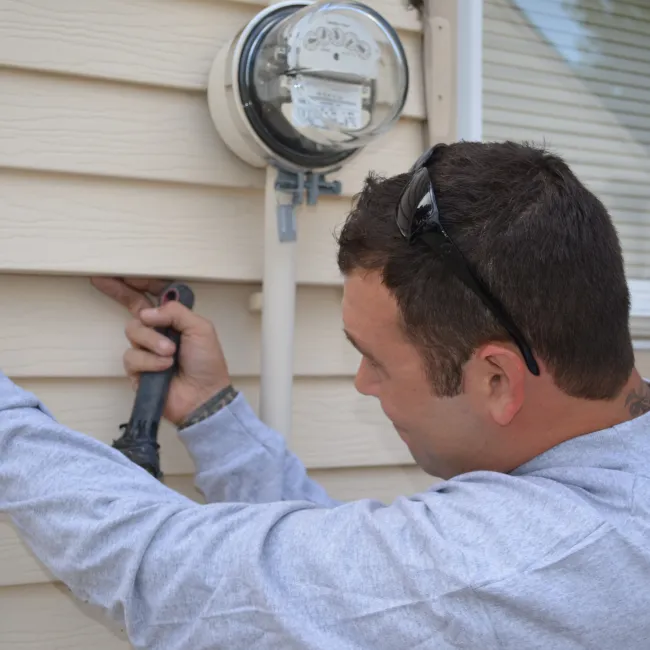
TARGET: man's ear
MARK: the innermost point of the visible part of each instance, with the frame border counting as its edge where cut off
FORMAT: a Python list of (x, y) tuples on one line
[(502, 376)]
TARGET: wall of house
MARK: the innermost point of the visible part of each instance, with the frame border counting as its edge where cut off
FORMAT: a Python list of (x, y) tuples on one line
[(110, 164)]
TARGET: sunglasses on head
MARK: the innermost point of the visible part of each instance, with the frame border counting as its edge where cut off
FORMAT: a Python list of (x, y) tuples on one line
[(418, 217)]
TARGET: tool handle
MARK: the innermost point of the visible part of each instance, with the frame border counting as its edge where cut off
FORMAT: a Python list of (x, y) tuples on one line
[(153, 387), (139, 441)]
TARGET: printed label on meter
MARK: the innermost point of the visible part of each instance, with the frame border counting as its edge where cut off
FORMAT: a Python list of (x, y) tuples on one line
[(323, 104)]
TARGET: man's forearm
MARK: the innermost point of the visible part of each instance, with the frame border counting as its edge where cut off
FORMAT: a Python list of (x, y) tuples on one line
[(240, 459)]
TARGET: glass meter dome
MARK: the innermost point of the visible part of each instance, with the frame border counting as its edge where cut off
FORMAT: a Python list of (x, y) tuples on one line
[(312, 82)]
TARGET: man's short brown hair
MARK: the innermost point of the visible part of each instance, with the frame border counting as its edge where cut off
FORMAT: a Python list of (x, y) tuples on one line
[(542, 243)]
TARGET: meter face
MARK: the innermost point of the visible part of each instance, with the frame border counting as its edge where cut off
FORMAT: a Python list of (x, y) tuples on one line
[(320, 81)]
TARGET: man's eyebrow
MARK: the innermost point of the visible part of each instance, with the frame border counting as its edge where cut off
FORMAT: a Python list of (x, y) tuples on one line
[(359, 349)]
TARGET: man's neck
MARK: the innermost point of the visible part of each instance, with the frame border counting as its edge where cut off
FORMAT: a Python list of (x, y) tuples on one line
[(637, 398), (557, 418), (632, 402), (583, 416)]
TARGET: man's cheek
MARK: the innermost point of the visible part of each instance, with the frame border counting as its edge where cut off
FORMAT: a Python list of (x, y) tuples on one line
[(397, 412)]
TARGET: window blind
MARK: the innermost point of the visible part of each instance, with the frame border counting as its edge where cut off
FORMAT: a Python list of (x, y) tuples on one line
[(575, 75)]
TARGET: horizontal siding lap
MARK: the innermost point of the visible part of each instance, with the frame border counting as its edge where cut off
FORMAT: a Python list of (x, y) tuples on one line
[(102, 129), (94, 344), (157, 42), (120, 39), (72, 224), (149, 134)]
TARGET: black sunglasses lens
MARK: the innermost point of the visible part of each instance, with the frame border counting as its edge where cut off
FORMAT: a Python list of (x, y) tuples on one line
[(424, 206), (425, 217)]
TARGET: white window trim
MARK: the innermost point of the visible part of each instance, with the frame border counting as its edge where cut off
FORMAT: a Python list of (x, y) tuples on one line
[(640, 309), (640, 294)]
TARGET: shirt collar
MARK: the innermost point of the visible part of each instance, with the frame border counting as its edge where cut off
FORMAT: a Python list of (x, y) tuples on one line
[(625, 446)]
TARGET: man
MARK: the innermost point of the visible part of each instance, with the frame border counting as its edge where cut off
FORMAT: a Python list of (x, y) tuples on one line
[(486, 293)]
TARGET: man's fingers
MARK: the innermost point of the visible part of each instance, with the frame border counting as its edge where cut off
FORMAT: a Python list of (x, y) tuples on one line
[(149, 285), (130, 292), (136, 361), (141, 336), (175, 315), (118, 290)]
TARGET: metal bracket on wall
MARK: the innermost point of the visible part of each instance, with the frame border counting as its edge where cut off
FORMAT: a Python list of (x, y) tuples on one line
[(296, 185)]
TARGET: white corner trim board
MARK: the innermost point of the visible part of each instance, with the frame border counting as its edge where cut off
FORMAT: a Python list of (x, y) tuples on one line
[(470, 70)]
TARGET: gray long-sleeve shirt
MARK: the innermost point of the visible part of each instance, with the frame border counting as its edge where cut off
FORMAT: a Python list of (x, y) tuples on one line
[(553, 555)]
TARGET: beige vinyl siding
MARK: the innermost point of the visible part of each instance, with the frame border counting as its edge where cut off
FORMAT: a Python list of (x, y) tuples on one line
[(110, 163), (219, 236), (577, 77), (81, 332), (166, 44), (143, 133)]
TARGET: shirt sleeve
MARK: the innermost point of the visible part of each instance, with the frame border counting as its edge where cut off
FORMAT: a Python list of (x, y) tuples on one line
[(179, 575), (238, 458)]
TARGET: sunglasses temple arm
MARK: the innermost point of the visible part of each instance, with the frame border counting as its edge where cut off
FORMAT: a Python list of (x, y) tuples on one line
[(495, 307)]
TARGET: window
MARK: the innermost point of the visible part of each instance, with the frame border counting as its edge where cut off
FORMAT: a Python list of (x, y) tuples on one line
[(575, 75)]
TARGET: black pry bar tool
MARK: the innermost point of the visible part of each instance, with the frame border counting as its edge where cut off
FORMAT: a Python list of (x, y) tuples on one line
[(139, 442)]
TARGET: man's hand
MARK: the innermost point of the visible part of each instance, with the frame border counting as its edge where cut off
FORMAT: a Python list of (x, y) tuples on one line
[(203, 370)]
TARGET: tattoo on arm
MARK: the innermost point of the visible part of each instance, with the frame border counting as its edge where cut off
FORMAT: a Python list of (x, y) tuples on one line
[(214, 404), (639, 402)]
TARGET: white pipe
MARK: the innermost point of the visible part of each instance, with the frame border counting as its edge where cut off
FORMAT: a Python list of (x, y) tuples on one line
[(469, 70), (278, 314)]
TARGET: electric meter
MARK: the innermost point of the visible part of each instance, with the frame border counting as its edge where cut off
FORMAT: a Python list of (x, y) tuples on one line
[(306, 85)]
